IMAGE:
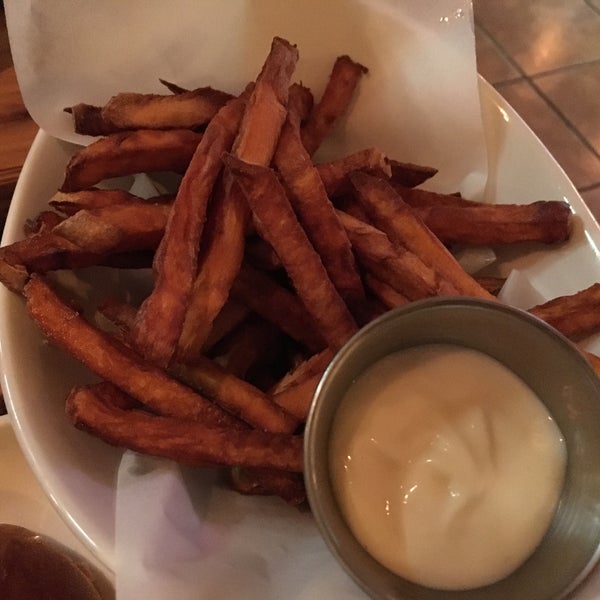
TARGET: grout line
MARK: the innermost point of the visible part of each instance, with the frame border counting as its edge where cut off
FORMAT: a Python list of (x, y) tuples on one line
[(565, 119), (531, 80), (595, 8)]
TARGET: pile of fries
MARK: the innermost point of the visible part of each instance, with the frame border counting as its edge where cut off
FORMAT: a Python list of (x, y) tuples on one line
[(264, 264)]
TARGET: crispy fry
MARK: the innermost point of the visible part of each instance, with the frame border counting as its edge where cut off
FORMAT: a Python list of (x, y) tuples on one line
[(389, 212), (235, 395), (316, 213), (334, 102), (160, 319), (276, 223), (334, 174), (269, 482), (395, 265), (188, 109), (88, 120), (128, 153), (217, 269), (276, 304), (256, 142), (409, 174), (575, 315), (132, 226), (295, 391), (266, 112), (69, 203), (47, 251), (188, 442), (390, 297), (543, 221), (116, 363), (174, 88)]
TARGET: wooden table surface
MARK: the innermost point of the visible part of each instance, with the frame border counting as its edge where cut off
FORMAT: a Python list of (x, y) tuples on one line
[(17, 129)]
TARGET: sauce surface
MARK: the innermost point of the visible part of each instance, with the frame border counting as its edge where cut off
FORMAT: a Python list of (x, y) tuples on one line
[(447, 467)]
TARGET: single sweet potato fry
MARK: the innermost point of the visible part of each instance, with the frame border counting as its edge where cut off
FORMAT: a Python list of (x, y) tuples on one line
[(267, 107), (133, 226), (276, 222), (188, 442), (186, 109), (335, 100), (269, 482), (130, 152), (334, 174), (575, 315), (69, 203), (456, 220), (409, 174)]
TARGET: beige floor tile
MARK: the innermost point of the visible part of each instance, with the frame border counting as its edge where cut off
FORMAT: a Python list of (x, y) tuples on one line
[(576, 93), (542, 35), (491, 63), (579, 162)]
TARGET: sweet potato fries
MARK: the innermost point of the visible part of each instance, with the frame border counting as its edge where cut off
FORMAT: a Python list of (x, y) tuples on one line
[(264, 264)]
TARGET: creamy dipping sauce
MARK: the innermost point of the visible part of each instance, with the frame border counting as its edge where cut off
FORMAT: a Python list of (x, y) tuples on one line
[(447, 467)]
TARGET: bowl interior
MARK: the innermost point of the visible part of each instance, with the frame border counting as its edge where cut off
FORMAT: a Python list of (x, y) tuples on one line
[(556, 372)]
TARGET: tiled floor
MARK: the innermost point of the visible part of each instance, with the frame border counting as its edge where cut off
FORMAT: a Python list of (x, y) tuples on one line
[(543, 56)]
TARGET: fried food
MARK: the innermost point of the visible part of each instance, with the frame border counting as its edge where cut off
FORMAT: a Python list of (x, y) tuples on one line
[(160, 319), (278, 305), (235, 395), (400, 268), (187, 441), (129, 152), (574, 315), (334, 174), (276, 222), (255, 142), (404, 228), (114, 362), (547, 222), (339, 93), (258, 278), (309, 200)]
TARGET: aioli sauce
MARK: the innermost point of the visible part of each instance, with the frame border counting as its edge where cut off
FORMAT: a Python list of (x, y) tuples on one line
[(447, 467)]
